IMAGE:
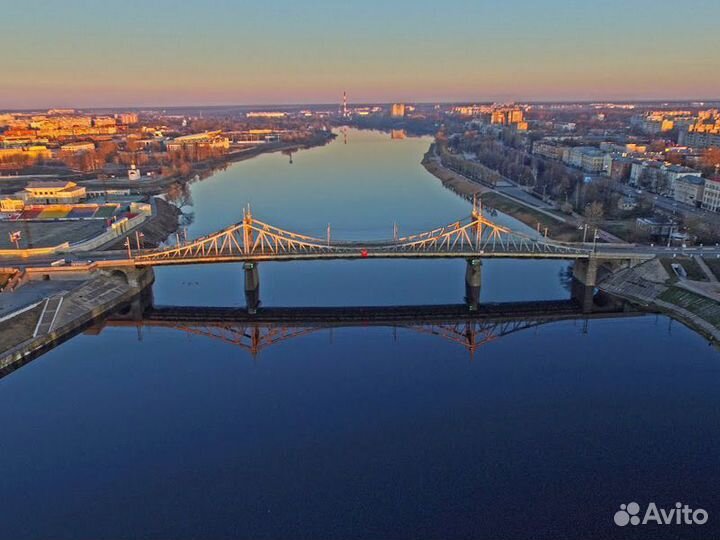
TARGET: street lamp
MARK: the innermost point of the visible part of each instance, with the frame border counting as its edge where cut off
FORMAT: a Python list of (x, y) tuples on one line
[(595, 238)]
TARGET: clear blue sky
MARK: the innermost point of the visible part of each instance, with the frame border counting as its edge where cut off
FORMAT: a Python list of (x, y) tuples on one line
[(158, 52)]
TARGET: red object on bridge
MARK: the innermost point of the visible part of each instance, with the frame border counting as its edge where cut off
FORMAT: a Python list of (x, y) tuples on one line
[(363, 253)]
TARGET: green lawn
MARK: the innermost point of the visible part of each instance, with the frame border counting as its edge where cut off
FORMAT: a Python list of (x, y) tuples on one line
[(699, 305)]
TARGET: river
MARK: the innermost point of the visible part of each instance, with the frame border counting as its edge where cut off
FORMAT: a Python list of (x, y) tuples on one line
[(359, 432)]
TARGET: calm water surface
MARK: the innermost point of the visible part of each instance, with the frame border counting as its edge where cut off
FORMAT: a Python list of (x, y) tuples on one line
[(359, 432)]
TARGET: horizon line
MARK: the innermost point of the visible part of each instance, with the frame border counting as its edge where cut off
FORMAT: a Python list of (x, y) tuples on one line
[(365, 103)]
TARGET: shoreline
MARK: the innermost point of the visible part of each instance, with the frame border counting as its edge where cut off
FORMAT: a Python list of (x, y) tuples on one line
[(558, 228), (158, 186)]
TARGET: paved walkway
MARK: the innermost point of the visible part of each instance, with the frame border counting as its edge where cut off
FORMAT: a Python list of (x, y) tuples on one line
[(705, 268), (32, 293)]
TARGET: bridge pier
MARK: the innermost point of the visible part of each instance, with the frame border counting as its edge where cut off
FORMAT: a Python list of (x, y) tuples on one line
[(585, 271), (583, 295), (473, 283), (252, 287)]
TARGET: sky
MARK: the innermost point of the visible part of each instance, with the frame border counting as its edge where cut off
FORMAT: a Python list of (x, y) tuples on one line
[(139, 53)]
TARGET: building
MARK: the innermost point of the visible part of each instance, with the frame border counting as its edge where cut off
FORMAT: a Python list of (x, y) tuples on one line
[(689, 190), (618, 167), (548, 150), (627, 204), (398, 110), (645, 172), (587, 158), (704, 132), (32, 153), (592, 161), (700, 139), (76, 147), (128, 119), (104, 121), (209, 140), (711, 194), (52, 192), (265, 114), (11, 205), (509, 116), (133, 173), (656, 227), (673, 172)]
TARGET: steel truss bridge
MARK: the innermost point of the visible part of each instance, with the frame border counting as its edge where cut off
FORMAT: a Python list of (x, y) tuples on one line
[(453, 323), (252, 240)]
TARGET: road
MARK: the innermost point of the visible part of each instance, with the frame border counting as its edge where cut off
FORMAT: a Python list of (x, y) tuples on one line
[(669, 205), (602, 251)]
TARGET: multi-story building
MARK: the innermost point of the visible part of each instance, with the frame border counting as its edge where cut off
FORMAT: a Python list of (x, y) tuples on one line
[(700, 139), (210, 140), (656, 122), (704, 132), (32, 153), (127, 118), (266, 114), (587, 158), (593, 161), (645, 171), (104, 121), (398, 110), (77, 147), (711, 194), (689, 190), (617, 167), (548, 150), (509, 116), (673, 172)]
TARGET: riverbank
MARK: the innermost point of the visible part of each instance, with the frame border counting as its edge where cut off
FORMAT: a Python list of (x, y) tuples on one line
[(557, 227), (158, 185), (694, 303), (64, 311)]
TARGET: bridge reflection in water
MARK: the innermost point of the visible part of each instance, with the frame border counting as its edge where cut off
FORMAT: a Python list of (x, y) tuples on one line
[(456, 323)]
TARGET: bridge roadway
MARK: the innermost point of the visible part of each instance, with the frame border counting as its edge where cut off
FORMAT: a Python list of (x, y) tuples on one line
[(474, 237), (607, 252)]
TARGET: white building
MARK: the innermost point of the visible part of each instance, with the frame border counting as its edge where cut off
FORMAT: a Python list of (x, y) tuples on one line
[(689, 190), (711, 194)]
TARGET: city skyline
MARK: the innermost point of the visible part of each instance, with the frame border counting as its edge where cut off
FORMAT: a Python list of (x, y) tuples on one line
[(136, 55)]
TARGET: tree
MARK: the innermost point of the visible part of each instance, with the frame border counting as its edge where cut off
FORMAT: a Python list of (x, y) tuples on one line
[(711, 160), (594, 212)]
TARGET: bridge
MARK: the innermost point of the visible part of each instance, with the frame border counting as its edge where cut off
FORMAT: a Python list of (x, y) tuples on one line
[(474, 239), (252, 240), (271, 326)]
